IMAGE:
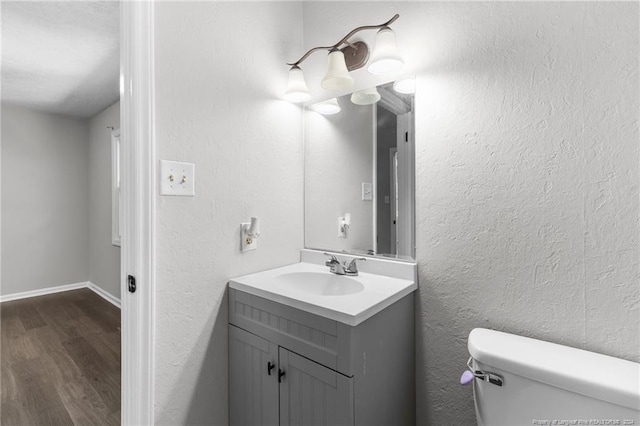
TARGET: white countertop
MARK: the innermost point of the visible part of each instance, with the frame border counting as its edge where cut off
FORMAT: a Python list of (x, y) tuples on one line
[(379, 292)]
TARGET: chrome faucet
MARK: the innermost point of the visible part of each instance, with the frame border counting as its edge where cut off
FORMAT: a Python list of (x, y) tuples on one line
[(349, 268), (352, 267), (334, 265)]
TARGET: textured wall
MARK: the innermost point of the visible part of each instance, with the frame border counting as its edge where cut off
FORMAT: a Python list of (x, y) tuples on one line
[(527, 185), (527, 159), (104, 258), (338, 159), (220, 75), (527, 175), (45, 203)]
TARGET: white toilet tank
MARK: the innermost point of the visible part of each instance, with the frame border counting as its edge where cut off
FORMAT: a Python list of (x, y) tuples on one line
[(548, 384)]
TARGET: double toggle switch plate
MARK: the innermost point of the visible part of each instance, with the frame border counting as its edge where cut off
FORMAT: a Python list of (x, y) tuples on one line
[(177, 178)]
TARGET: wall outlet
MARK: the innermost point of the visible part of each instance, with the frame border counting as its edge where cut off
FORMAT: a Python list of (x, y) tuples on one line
[(342, 230), (177, 178), (247, 243), (367, 191)]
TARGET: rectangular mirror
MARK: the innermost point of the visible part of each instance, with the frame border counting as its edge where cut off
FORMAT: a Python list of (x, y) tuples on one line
[(360, 176)]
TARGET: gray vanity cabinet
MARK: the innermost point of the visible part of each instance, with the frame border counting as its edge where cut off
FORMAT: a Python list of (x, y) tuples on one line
[(307, 393), (253, 392), (324, 372), (311, 394)]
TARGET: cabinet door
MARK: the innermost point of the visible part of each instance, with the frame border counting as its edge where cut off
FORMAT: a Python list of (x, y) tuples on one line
[(253, 386), (311, 394)]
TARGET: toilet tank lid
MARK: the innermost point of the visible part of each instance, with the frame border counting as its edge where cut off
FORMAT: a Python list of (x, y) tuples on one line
[(595, 375)]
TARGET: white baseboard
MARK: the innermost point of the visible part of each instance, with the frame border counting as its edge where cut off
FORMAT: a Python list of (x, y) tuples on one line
[(43, 291), (106, 296), (58, 289)]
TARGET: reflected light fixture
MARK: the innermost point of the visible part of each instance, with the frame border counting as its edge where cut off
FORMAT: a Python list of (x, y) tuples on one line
[(365, 97), (328, 107), (346, 56), (405, 85)]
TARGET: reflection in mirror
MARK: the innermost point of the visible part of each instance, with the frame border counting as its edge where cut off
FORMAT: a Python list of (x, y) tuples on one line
[(359, 176)]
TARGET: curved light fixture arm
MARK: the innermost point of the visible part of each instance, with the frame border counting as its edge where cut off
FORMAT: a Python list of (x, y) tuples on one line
[(344, 39)]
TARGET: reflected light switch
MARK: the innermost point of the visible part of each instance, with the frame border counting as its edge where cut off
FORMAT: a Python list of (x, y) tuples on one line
[(177, 178), (367, 191)]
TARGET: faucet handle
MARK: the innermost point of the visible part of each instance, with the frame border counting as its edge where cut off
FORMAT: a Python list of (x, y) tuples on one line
[(352, 266), (353, 261), (332, 259)]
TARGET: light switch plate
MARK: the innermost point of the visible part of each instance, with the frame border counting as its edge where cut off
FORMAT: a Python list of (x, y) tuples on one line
[(367, 191), (177, 178)]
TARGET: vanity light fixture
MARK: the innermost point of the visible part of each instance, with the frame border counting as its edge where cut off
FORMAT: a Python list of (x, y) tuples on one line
[(328, 107), (365, 97), (386, 56), (354, 55), (297, 90), (337, 77)]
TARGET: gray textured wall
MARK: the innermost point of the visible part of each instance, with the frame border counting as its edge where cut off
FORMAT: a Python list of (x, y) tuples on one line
[(104, 258), (220, 74), (527, 175), (527, 153), (45, 203), (527, 170)]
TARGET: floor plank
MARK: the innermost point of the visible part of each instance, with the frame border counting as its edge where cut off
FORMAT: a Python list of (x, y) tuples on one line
[(60, 360), (29, 316), (12, 413), (94, 368)]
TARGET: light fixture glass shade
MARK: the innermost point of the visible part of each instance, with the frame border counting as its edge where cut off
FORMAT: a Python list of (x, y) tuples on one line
[(337, 77), (365, 97), (386, 56), (406, 85), (328, 107), (297, 90)]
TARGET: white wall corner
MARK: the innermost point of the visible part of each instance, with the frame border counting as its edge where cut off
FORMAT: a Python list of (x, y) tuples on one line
[(62, 288), (43, 291), (104, 294)]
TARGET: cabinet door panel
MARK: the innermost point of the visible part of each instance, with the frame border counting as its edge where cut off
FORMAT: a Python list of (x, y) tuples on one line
[(253, 394), (311, 394)]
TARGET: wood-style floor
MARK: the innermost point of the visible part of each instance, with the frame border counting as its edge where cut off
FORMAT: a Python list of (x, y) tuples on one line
[(60, 360)]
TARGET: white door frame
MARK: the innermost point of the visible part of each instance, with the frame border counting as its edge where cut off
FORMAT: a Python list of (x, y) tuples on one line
[(393, 202), (138, 227), (406, 185)]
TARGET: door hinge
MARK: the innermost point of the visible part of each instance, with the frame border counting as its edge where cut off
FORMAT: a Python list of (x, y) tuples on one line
[(131, 281)]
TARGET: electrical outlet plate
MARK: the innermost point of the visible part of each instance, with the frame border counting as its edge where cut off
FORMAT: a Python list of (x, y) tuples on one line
[(246, 242), (342, 233), (177, 178)]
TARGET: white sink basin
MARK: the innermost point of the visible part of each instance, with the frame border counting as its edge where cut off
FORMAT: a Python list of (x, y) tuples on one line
[(320, 283), (312, 288)]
